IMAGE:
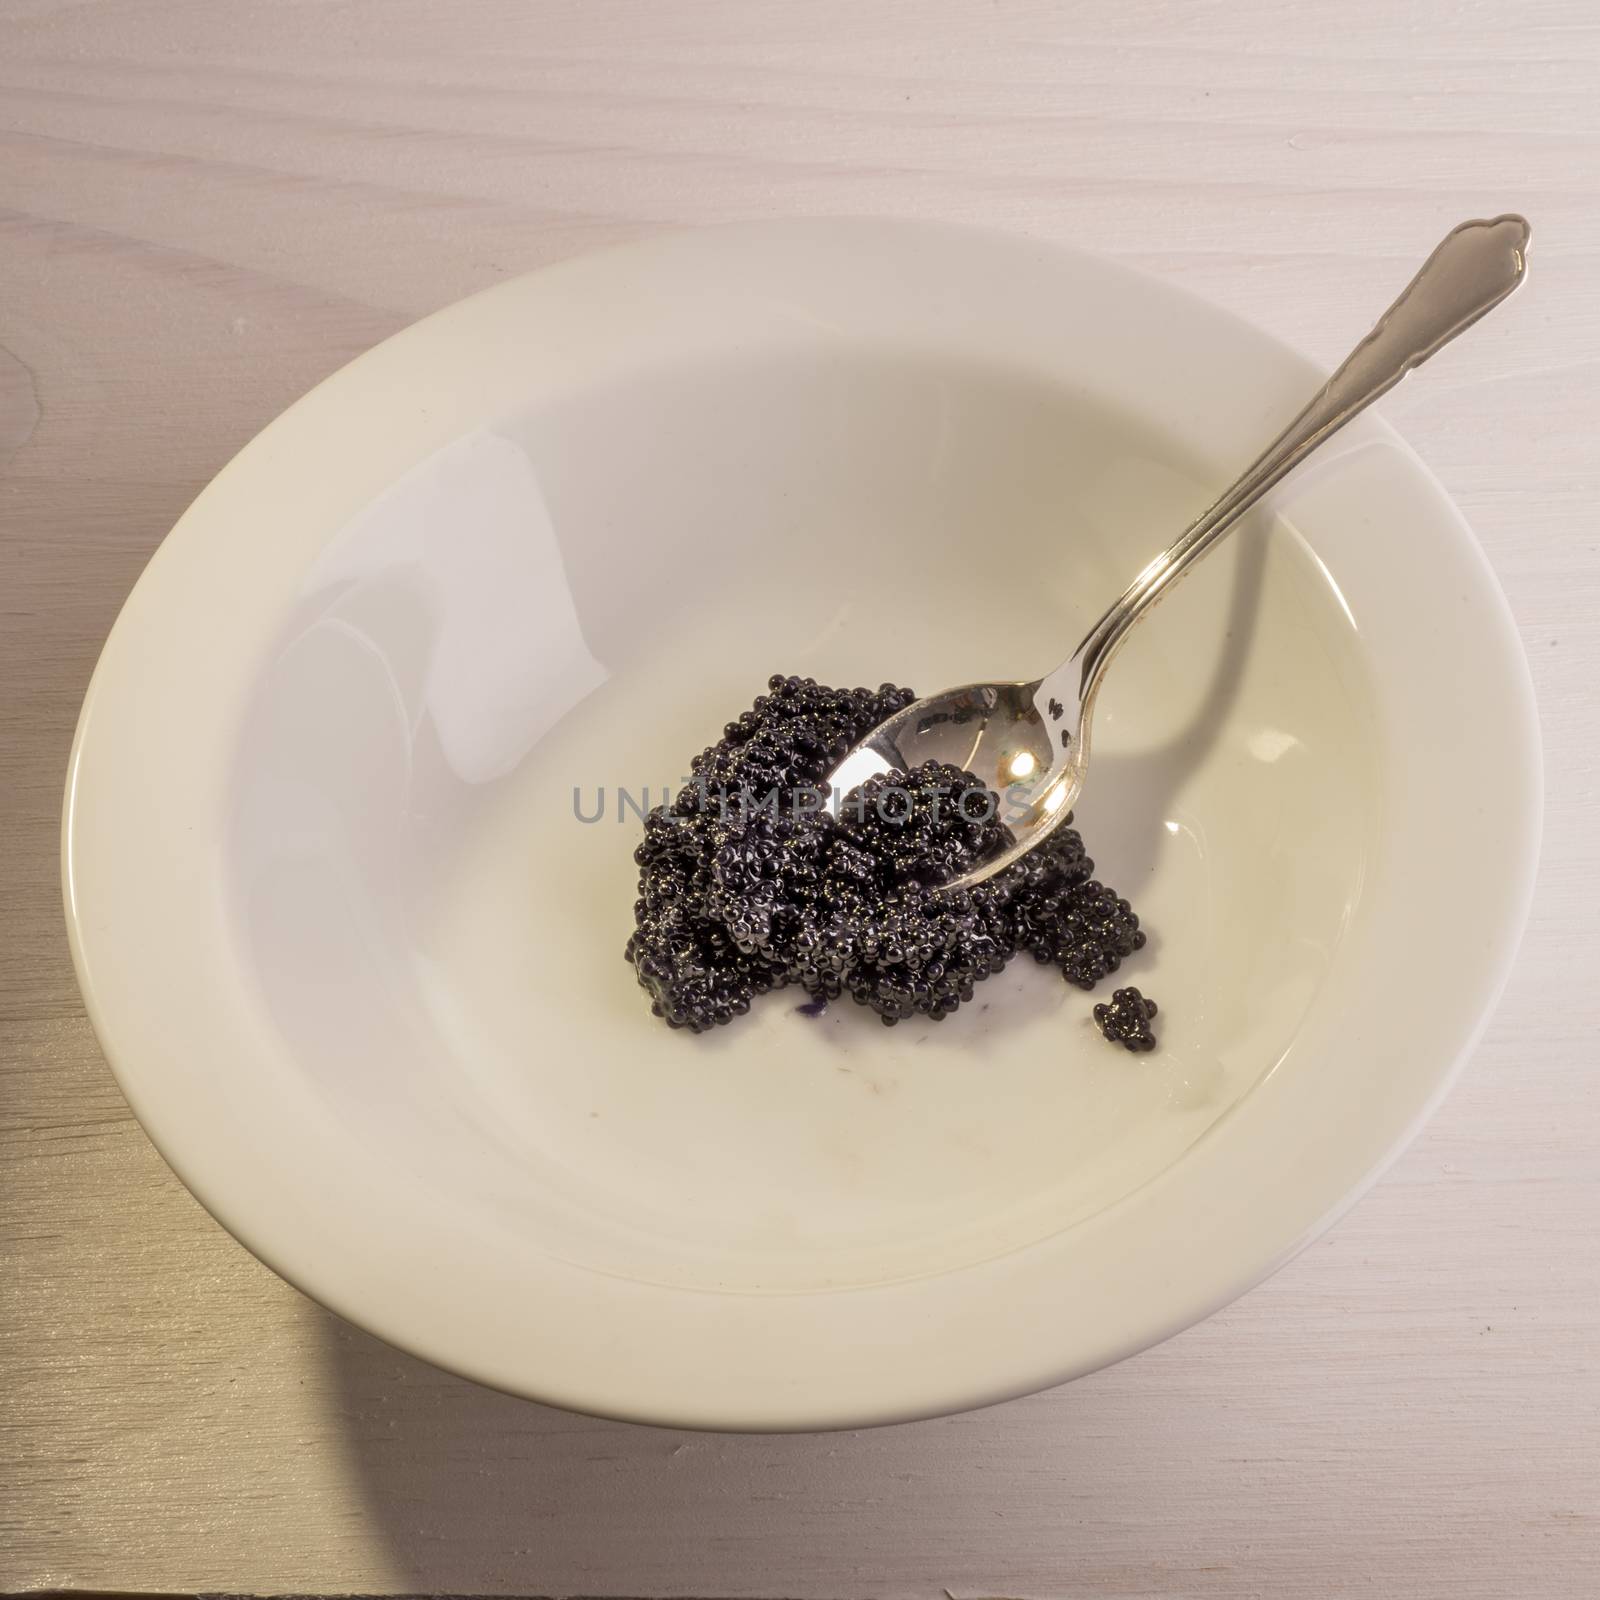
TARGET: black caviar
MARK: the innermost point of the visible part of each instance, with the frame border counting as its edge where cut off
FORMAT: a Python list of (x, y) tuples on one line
[(746, 884), (1127, 1019)]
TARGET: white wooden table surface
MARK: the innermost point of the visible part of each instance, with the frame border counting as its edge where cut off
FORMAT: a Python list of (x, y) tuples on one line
[(206, 205)]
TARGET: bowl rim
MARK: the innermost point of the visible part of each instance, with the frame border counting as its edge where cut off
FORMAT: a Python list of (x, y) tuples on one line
[(133, 779)]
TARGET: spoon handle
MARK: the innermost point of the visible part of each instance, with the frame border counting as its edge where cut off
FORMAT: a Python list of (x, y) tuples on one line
[(1472, 270)]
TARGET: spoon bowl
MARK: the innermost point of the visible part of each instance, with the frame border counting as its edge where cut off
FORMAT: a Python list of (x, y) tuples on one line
[(1009, 736)]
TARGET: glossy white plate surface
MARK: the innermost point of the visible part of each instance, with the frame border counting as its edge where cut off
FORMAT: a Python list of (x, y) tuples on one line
[(356, 960)]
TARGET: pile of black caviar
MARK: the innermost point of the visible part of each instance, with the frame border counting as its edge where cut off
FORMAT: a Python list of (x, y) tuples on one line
[(746, 884)]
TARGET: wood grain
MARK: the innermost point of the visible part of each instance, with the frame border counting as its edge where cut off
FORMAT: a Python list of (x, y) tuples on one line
[(206, 205)]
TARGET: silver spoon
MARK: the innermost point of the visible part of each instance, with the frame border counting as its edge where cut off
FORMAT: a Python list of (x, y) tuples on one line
[(1029, 741)]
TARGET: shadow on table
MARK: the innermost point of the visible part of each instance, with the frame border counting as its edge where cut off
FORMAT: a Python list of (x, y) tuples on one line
[(471, 1491)]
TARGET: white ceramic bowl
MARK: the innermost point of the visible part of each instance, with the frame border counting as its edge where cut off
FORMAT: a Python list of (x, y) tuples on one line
[(357, 962)]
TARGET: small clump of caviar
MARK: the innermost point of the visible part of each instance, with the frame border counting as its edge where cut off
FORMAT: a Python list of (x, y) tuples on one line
[(746, 884), (1126, 1020)]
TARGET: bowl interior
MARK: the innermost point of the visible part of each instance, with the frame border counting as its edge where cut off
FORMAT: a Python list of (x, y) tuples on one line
[(433, 800)]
